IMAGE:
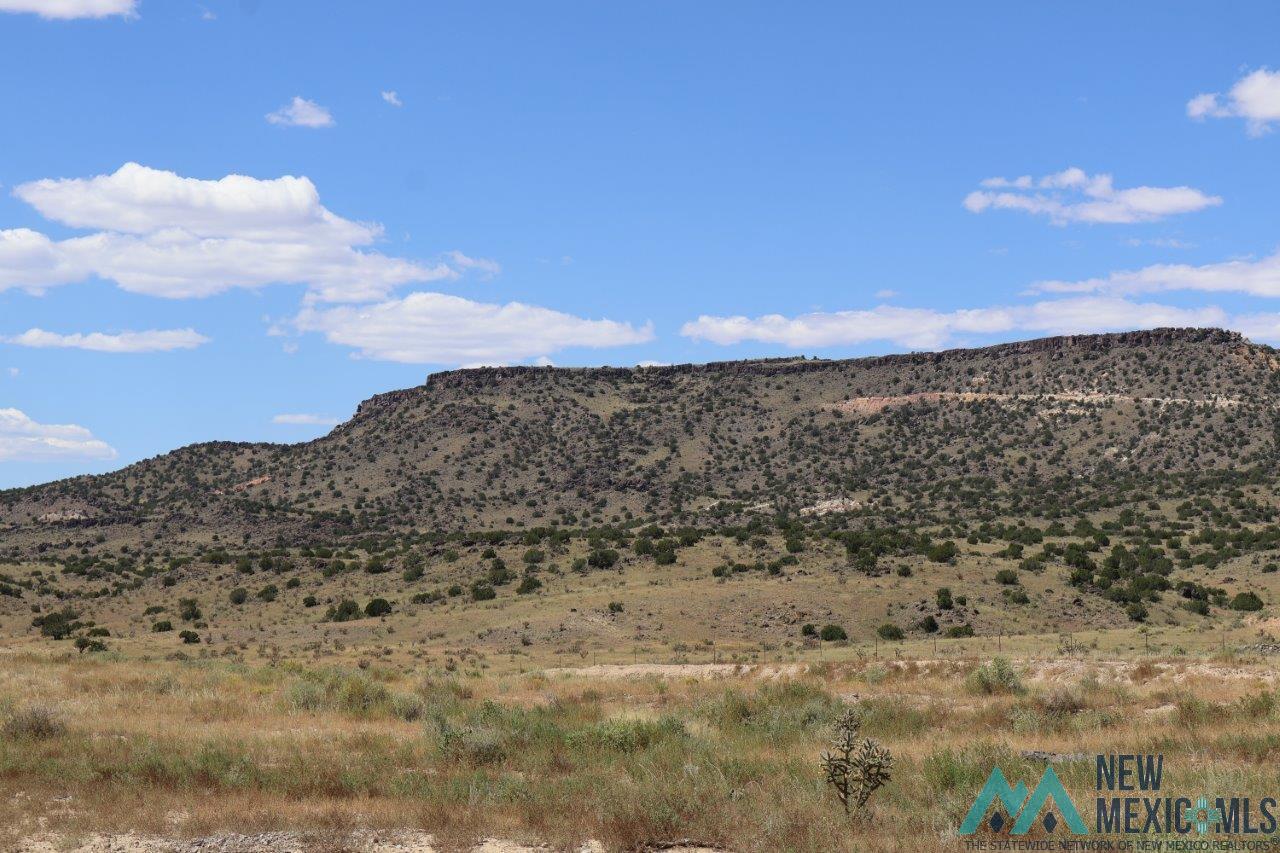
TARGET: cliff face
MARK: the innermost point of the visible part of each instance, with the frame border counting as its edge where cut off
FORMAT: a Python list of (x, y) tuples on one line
[(1051, 423)]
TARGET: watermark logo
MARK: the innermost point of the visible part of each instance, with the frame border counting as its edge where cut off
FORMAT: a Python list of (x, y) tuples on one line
[(1022, 810), (1129, 800)]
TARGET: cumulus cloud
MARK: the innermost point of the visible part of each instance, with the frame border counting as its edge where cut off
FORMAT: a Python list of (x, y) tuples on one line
[(65, 10), (392, 98), (1072, 195), (1252, 277), (1254, 98), (156, 340), (25, 440), (927, 329), (301, 113), (305, 420), (171, 236), (435, 328)]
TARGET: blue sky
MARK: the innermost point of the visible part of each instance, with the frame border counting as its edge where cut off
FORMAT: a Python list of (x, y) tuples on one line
[(586, 183)]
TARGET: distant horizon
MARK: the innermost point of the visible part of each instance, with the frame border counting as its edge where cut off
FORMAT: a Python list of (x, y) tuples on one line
[(305, 208), (336, 422)]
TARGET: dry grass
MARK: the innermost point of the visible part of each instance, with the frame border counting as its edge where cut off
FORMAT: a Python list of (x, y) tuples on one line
[(186, 748)]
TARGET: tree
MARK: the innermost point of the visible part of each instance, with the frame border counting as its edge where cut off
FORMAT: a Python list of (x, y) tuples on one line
[(1246, 601), (377, 607), (239, 595), (944, 599), (890, 631), (189, 638), (346, 611), (58, 624), (84, 644), (830, 633)]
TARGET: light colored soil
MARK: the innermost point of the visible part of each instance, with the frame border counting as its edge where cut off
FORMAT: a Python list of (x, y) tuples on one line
[(678, 670), (872, 405), (276, 842)]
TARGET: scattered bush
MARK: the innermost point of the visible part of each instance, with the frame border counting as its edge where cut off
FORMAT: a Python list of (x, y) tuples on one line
[(995, 677), (34, 722), (890, 631), (377, 607), (830, 633), (1246, 601)]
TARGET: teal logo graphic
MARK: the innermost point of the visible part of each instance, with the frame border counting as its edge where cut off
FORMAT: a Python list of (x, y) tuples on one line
[(1202, 815), (1023, 810)]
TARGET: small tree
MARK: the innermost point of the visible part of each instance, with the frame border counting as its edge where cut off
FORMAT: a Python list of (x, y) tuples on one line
[(855, 768)]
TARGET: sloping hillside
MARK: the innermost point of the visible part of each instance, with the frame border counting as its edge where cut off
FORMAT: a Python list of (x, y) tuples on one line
[(1038, 428)]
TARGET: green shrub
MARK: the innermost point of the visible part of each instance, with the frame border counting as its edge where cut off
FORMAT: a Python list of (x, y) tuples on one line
[(998, 676), (890, 631), (58, 624), (1007, 577), (943, 552), (162, 626), (833, 632), (957, 632), (346, 611), (239, 595), (377, 607), (1246, 601)]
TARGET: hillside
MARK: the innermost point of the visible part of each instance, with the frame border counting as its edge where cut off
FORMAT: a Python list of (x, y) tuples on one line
[(1053, 485), (1035, 428)]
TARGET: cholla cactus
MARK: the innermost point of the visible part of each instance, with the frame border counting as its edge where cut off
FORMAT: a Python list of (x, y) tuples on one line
[(855, 768)]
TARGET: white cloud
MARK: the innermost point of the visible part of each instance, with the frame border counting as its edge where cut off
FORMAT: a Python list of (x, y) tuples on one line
[(1254, 98), (927, 329), (12, 371), (139, 200), (435, 328), (886, 294), (1160, 243), (24, 440), (484, 266), (1074, 196), (301, 113), (1252, 277), (171, 236), (65, 10), (392, 98), (306, 420), (157, 340)]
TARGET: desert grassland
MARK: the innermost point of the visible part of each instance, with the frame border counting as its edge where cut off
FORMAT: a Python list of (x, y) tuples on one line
[(107, 743)]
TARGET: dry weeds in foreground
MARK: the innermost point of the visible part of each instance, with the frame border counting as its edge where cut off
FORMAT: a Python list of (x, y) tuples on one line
[(198, 750)]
